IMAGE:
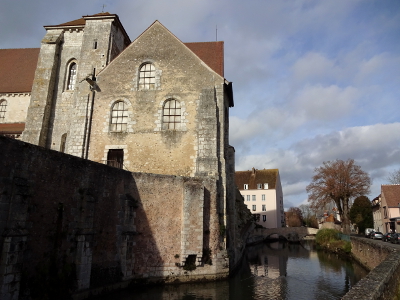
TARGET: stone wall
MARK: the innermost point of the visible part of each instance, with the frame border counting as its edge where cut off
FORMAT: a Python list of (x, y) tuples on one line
[(195, 147), (72, 224), (383, 259), (17, 106)]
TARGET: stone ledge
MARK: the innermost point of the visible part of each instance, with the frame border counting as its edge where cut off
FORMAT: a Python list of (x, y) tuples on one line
[(383, 280)]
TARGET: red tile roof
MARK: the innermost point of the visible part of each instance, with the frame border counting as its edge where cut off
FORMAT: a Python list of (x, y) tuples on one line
[(12, 128), (81, 21), (17, 69), (253, 177), (212, 53), (391, 192), (18, 65)]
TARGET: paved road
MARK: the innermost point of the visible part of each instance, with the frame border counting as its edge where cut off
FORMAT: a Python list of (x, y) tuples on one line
[(394, 246)]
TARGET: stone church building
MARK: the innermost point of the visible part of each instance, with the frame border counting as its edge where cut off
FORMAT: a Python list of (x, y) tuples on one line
[(154, 105)]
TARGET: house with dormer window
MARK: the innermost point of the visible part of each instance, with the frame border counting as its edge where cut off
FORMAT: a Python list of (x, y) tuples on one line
[(262, 193)]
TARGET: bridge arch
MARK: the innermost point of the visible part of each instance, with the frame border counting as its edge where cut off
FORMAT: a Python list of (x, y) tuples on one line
[(289, 233)]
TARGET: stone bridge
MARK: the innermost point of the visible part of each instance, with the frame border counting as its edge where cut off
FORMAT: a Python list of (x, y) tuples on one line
[(289, 233)]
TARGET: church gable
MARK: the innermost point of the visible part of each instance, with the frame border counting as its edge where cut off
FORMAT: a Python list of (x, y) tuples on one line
[(159, 47), (158, 87)]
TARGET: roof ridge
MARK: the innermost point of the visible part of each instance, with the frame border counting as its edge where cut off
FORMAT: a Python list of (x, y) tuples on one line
[(203, 42)]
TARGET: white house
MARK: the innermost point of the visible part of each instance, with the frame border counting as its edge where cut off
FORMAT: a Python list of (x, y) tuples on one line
[(262, 193)]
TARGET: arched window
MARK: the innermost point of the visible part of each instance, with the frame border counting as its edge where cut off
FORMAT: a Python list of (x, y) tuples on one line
[(63, 142), (147, 77), (171, 114), (3, 108), (119, 117), (71, 76)]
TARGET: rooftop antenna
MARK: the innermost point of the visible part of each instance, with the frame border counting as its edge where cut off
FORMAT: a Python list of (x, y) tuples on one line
[(103, 8), (216, 33)]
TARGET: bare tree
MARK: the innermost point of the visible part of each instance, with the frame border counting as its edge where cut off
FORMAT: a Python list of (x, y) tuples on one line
[(309, 215), (338, 181), (294, 217), (394, 177)]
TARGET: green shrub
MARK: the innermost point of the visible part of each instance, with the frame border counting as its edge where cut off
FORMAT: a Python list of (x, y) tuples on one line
[(330, 240), (347, 247), (326, 235)]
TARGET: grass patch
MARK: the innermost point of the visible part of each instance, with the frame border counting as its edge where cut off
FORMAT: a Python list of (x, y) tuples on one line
[(329, 239)]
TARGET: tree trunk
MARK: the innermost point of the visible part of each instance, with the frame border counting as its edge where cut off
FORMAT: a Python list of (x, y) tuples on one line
[(346, 216)]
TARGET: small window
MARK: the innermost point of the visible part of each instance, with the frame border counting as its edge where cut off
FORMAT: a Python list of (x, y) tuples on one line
[(246, 186), (259, 186), (95, 44), (171, 115), (63, 142), (71, 76), (3, 109), (254, 208), (147, 77), (253, 197), (263, 197), (264, 218), (265, 186), (115, 158), (264, 208), (248, 197), (119, 117)]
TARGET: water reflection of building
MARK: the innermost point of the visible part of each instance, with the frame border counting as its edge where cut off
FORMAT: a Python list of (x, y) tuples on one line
[(267, 261)]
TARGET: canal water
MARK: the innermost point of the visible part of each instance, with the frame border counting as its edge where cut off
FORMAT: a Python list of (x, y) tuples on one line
[(277, 270)]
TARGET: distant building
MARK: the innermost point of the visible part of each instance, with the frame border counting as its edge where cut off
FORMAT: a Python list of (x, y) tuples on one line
[(377, 214), (386, 209), (16, 78), (262, 193)]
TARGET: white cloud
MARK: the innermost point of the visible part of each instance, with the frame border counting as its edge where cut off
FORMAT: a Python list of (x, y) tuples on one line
[(313, 66), (326, 103), (375, 148)]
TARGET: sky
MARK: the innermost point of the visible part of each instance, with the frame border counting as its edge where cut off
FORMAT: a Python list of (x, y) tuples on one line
[(313, 80)]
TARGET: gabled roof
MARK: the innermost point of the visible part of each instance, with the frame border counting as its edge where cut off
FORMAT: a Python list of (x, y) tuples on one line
[(17, 69), (254, 176), (212, 53), (18, 65), (81, 21), (391, 192)]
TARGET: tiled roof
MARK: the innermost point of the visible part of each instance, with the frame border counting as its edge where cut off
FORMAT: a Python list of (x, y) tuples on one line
[(17, 69), (254, 176), (391, 192), (212, 53), (18, 65), (81, 21), (12, 127)]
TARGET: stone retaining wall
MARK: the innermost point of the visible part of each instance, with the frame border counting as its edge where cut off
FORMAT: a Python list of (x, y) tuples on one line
[(69, 224), (383, 259)]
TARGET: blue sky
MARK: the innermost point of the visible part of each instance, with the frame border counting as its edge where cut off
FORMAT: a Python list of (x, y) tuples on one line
[(313, 80)]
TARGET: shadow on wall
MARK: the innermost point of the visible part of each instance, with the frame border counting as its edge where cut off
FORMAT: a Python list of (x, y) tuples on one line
[(69, 224)]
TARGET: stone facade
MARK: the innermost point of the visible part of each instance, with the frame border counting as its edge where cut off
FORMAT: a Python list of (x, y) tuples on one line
[(92, 226), (171, 212), (56, 109), (17, 106)]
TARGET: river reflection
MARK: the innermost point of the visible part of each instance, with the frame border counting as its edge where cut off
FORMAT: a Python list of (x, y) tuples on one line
[(277, 270)]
